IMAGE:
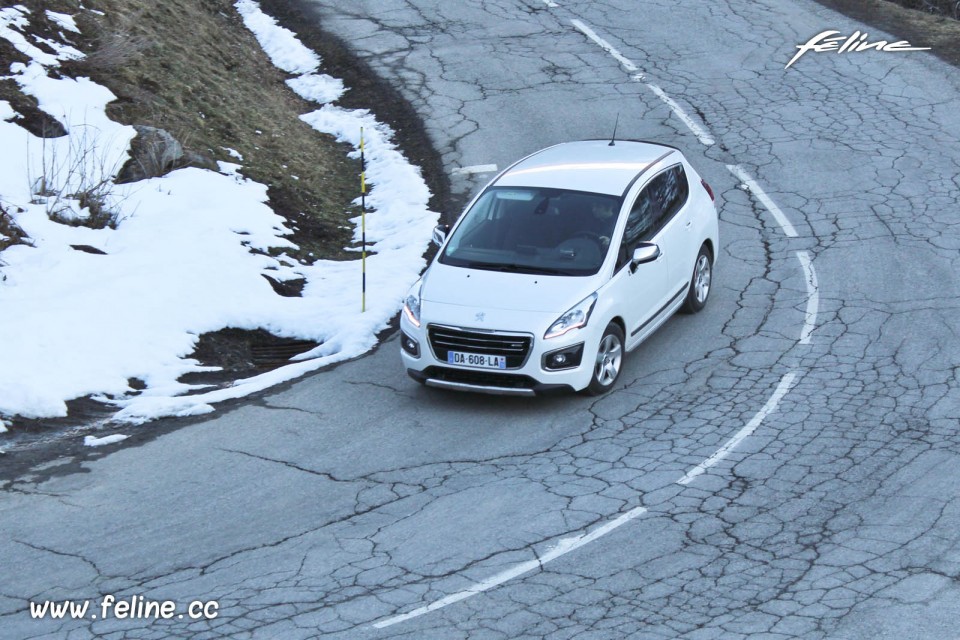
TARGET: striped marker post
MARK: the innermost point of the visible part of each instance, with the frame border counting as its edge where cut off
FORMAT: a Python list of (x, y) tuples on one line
[(363, 226)]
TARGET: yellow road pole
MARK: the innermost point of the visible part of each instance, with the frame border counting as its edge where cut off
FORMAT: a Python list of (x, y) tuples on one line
[(363, 226)]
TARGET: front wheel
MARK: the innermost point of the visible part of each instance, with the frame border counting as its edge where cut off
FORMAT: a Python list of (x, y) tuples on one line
[(606, 369), (700, 282)]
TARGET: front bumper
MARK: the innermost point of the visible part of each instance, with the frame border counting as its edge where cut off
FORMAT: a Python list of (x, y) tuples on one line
[(523, 376), (499, 384)]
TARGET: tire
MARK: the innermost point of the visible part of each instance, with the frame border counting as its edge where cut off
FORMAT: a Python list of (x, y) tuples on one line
[(700, 282), (609, 361)]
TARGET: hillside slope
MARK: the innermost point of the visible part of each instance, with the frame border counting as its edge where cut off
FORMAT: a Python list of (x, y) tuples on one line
[(219, 94)]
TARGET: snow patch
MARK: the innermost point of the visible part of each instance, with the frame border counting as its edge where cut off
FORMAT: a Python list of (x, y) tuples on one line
[(187, 255), (319, 88), (280, 44), (233, 153), (63, 20), (93, 441), (12, 22)]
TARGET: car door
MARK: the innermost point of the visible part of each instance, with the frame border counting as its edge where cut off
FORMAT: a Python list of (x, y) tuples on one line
[(642, 289), (674, 228)]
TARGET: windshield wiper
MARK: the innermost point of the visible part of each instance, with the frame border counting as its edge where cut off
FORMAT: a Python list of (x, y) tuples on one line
[(516, 268)]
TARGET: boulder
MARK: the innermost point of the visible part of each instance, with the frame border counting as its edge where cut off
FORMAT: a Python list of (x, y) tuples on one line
[(155, 152)]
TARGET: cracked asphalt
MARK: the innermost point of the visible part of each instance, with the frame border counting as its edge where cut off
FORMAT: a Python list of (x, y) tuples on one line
[(355, 496)]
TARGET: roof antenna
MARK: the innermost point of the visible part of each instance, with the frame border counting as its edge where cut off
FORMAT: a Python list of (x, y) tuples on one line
[(613, 138)]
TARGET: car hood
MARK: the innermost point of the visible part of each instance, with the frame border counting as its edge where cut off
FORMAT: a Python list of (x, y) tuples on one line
[(501, 290)]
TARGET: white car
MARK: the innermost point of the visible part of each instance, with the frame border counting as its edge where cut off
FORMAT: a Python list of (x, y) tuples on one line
[(563, 263)]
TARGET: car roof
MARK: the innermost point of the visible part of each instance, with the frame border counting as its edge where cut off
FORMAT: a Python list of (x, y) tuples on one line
[(590, 165)]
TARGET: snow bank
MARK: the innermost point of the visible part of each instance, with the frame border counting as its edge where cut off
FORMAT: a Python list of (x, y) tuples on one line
[(187, 255)]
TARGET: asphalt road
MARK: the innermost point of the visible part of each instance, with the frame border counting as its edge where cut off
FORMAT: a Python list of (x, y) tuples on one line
[(784, 464)]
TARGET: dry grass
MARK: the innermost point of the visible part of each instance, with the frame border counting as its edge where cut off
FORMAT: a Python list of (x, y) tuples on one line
[(949, 8), (920, 28), (192, 68)]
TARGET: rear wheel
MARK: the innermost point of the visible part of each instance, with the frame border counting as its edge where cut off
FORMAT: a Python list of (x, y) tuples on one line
[(606, 369), (700, 282)]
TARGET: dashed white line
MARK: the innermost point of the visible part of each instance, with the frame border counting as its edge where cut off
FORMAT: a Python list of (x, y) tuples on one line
[(477, 168), (568, 545), (702, 135), (810, 275), (724, 451), (771, 206), (813, 297), (562, 548), (636, 75), (606, 46)]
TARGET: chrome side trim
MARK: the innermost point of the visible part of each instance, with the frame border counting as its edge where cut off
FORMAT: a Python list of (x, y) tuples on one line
[(500, 332), (462, 386), (661, 310), (623, 196)]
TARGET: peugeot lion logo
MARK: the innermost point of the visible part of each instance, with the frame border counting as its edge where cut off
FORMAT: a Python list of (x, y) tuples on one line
[(480, 316)]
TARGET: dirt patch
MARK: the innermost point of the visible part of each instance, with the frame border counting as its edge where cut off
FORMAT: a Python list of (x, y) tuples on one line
[(37, 122), (920, 28), (193, 69), (10, 233), (367, 91), (241, 353)]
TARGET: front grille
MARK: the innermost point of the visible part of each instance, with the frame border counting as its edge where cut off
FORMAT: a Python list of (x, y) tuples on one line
[(516, 347)]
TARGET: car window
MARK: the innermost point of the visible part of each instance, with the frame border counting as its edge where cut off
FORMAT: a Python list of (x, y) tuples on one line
[(671, 191), (535, 230), (642, 219), (641, 222), (659, 201)]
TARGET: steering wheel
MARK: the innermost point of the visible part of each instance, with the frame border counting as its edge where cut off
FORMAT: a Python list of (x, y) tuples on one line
[(602, 241)]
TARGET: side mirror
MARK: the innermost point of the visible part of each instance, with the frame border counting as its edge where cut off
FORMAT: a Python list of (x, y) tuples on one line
[(440, 234), (644, 253)]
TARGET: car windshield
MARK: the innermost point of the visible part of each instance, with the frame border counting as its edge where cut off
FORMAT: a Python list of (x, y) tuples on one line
[(535, 230)]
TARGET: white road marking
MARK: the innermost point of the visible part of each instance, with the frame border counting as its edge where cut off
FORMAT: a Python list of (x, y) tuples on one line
[(562, 548), (551, 4), (813, 297), (477, 168), (568, 545), (702, 135), (751, 426), (764, 199), (636, 75), (606, 46)]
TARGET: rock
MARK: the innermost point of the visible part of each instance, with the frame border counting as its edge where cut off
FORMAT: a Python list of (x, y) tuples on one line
[(200, 161), (155, 152), (88, 249)]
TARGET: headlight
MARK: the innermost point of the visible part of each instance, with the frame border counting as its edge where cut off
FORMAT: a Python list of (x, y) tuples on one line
[(576, 317), (411, 304)]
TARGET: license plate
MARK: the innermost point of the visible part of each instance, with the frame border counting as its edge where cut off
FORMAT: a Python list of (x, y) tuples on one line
[(476, 360)]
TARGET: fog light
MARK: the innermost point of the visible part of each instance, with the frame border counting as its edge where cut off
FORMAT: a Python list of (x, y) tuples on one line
[(409, 345), (566, 358)]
